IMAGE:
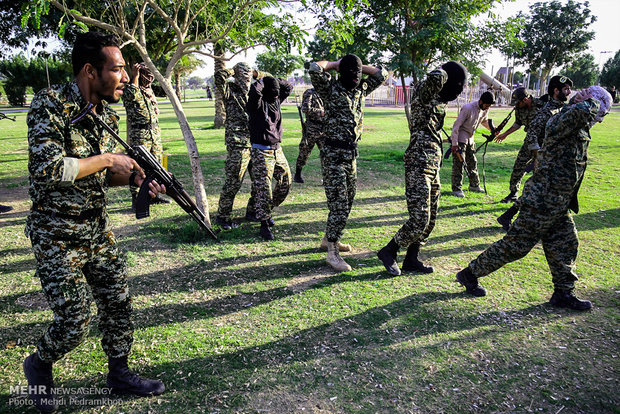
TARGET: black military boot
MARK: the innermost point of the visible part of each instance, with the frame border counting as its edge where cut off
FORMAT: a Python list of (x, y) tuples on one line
[(122, 381), (387, 255), (265, 231), (510, 198), (466, 278), (506, 218), (226, 224), (251, 216), (412, 263), (562, 298), (298, 178), (40, 383)]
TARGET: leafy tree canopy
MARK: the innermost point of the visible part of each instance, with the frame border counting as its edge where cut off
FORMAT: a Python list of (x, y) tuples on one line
[(554, 33), (278, 64), (582, 71), (610, 75)]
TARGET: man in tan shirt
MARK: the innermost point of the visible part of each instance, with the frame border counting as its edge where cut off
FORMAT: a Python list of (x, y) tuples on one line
[(462, 140)]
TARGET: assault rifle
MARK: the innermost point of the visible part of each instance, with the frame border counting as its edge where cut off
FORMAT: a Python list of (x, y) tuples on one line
[(490, 137), (3, 116), (154, 171), (495, 131), (301, 119)]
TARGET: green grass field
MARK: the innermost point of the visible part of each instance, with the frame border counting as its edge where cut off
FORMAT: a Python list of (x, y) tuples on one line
[(245, 325)]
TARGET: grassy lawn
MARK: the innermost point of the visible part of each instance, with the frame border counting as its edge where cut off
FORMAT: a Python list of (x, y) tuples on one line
[(245, 325)]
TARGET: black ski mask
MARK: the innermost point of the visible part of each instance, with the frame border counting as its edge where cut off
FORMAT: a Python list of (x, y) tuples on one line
[(350, 71), (457, 78), (271, 89)]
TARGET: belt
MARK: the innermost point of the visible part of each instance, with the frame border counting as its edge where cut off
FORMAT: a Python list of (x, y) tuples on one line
[(266, 147), (84, 215), (340, 144)]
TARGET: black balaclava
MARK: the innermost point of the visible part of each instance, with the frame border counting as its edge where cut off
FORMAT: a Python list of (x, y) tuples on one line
[(457, 77), (271, 89), (350, 71)]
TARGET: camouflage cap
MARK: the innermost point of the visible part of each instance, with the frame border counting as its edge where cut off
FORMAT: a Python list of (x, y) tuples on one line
[(518, 95)]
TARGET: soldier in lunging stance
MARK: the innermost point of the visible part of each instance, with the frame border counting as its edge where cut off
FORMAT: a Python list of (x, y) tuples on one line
[(422, 161), (344, 109), (558, 93), (547, 198)]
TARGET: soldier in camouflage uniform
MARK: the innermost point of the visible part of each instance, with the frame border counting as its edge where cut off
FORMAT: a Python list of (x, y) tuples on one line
[(142, 123), (526, 107), (344, 110), (547, 197), (71, 167), (558, 91), (268, 161), (422, 162), (312, 106), (237, 136)]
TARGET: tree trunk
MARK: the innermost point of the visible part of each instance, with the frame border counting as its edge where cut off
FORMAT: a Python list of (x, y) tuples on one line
[(406, 99), (177, 82), (192, 149), (220, 112)]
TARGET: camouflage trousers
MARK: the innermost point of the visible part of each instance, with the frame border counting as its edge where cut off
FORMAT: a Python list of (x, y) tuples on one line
[(340, 182), (558, 235), (518, 170), (72, 266), (422, 190), (268, 166), (306, 145), (468, 153), (151, 139), (237, 163)]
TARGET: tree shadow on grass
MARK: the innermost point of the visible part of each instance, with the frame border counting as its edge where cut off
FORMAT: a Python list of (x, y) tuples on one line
[(602, 219)]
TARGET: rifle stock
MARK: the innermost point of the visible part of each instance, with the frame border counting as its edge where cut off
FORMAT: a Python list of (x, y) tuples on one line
[(154, 171)]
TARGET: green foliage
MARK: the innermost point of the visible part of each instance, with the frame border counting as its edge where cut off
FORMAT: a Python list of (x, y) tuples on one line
[(610, 75), (582, 71), (22, 73), (324, 47), (277, 63), (195, 82), (554, 33), (413, 35), (15, 35), (15, 93)]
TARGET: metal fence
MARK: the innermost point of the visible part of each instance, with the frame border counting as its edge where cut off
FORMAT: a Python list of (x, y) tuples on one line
[(393, 96)]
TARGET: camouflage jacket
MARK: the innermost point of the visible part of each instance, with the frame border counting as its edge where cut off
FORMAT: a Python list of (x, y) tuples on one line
[(427, 111), (562, 160), (312, 106), (523, 116), (344, 110), (235, 100), (55, 147), (142, 123), (536, 132)]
